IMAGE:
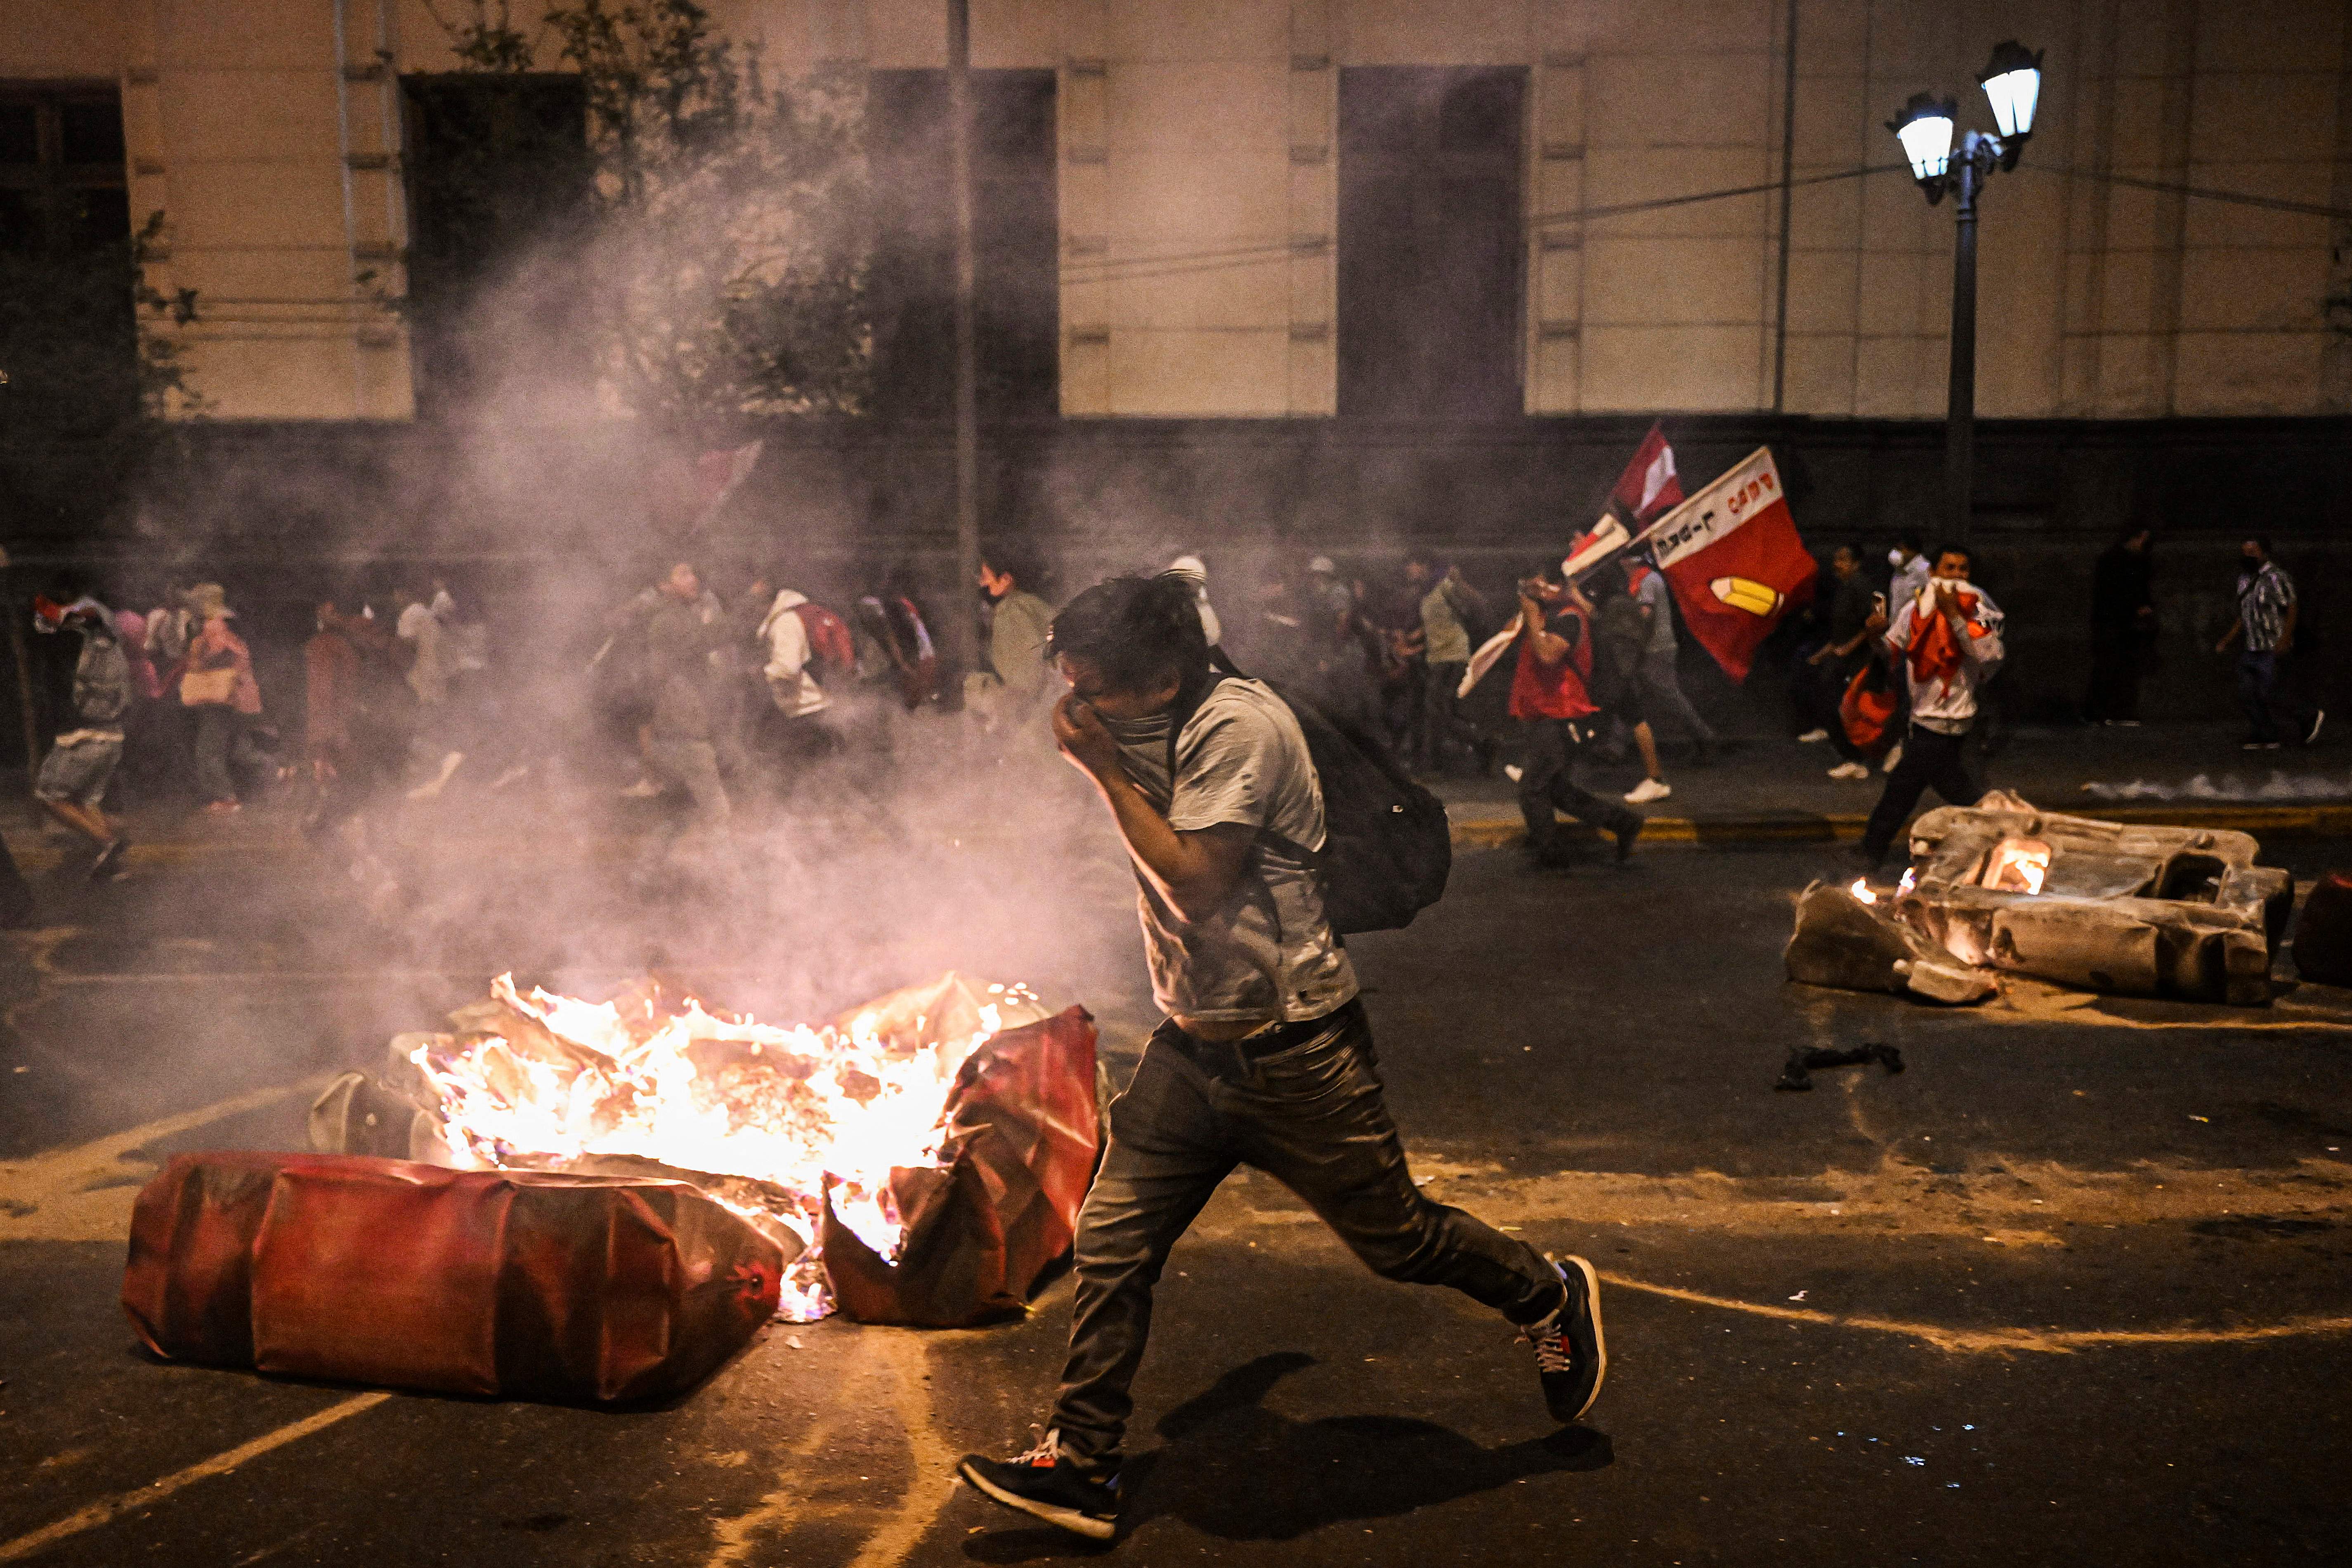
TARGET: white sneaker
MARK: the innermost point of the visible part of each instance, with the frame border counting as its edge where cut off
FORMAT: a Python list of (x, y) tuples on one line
[(1850, 770), (1512, 771), (1894, 759), (1648, 790), (1809, 736)]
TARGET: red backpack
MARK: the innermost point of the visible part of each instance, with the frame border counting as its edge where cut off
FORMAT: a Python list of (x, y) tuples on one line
[(1867, 711), (829, 640)]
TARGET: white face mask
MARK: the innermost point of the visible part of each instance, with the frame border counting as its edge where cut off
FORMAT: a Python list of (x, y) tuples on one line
[(1895, 556)]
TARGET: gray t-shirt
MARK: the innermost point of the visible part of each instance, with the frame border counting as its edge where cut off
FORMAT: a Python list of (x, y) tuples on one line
[(1652, 593), (1269, 952)]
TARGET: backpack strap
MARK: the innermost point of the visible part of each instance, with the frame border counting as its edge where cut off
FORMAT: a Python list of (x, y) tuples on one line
[(1189, 697)]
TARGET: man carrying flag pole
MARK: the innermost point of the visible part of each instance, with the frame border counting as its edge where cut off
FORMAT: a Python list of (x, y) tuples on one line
[(1647, 490)]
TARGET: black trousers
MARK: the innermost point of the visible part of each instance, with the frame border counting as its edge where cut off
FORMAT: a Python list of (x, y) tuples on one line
[(1443, 723), (2115, 674), (2266, 692), (1311, 1114), (1547, 784), (1931, 760), (1823, 690)]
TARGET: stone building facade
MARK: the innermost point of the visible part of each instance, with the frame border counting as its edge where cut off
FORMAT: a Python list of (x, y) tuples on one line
[(1243, 211)]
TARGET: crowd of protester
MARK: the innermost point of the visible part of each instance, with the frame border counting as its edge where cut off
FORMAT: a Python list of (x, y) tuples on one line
[(702, 693)]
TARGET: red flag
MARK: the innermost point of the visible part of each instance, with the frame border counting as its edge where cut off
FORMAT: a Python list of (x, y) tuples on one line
[(1649, 485), (1733, 558), (718, 475)]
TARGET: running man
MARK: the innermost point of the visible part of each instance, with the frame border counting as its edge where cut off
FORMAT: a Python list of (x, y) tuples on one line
[(1265, 1057)]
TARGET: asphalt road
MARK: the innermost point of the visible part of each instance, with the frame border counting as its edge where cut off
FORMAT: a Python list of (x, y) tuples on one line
[(2075, 1287)]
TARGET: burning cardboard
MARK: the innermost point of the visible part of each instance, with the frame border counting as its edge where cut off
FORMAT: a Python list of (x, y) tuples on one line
[(936, 1141), (2002, 888)]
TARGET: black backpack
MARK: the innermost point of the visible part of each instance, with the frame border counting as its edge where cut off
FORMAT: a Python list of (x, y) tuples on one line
[(1387, 845)]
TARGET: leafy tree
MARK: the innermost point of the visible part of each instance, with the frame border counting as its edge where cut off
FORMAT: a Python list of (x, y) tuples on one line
[(724, 262)]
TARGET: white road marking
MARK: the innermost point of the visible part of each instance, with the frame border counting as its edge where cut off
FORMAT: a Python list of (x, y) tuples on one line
[(107, 1510)]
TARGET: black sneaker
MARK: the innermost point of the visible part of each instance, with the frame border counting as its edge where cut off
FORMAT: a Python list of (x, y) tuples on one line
[(1570, 1359), (1047, 1484), (109, 864), (1625, 836)]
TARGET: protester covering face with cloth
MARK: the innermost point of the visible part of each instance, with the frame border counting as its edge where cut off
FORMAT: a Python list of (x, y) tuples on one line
[(1266, 1058), (1947, 640)]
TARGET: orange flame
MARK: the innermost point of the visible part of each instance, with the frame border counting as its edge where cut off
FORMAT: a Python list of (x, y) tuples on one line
[(2017, 866), (788, 1107)]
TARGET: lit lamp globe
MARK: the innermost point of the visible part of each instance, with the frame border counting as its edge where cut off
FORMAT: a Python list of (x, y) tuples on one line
[(2013, 85), (1924, 129)]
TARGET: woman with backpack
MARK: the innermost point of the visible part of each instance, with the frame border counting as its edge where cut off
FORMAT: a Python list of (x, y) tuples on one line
[(801, 645)]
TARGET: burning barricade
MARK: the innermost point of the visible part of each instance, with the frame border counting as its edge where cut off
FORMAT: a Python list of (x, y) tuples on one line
[(548, 1164), (2103, 906)]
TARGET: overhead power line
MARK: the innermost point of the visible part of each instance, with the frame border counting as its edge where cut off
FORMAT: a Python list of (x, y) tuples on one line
[(1182, 263), (2201, 192), (1169, 264)]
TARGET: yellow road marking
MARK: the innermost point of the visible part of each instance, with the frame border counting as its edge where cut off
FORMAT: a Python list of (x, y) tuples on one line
[(931, 1457), (2058, 1341), (902, 1358), (111, 1509), (85, 1192)]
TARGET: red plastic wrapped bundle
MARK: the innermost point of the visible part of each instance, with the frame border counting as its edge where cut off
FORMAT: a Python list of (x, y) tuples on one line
[(1002, 1203), (485, 1282)]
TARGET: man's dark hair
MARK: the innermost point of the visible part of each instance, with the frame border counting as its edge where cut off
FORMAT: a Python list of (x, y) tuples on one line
[(1138, 633), (1962, 551), (2262, 541), (1012, 558), (1911, 540)]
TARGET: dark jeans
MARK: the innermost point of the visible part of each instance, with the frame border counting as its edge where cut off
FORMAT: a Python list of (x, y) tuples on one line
[(1547, 786), (1310, 1115), (692, 765), (2115, 674), (1931, 760), (1443, 722), (1821, 692), (2260, 696), (224, 749)]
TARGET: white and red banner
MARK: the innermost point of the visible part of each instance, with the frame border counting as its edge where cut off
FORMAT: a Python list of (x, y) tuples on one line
[(1649, 485), (1733, 558)]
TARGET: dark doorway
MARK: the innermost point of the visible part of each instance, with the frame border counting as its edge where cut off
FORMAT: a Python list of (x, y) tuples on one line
[(1431, 242), (63, 183), (1017, 241), (499, 177)]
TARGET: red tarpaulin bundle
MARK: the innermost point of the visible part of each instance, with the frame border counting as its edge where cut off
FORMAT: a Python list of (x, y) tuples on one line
[(1002, 1203), (485, 1282)]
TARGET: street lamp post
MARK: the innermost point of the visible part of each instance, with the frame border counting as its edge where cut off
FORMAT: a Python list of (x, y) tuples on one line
[(2013, 85)]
